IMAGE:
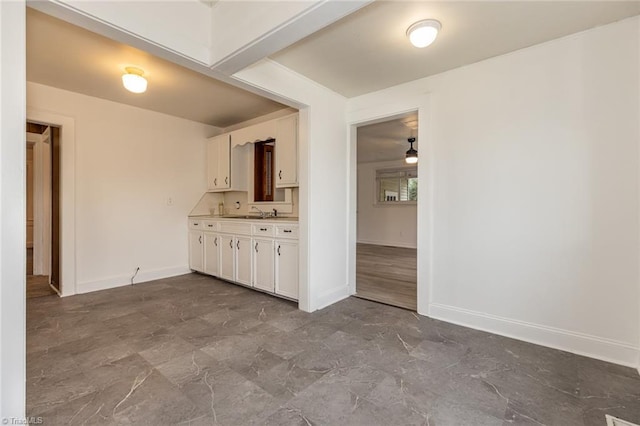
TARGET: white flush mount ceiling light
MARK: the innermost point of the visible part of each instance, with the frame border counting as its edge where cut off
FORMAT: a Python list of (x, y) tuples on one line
[(133, 80), (423, 33)]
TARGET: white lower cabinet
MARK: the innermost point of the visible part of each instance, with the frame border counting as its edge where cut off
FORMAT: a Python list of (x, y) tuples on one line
[(211, 254), (227, 257), (263, 264), (243, 260), (263, 255), (286, 282), (196, 251)]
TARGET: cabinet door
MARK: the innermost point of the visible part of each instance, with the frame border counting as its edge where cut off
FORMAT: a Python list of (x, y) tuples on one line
[(224, 163), (227, 254), (263, 264), (212, 162), (195, 251), (212, 254), (287, 268), (287, 151), (243, 260)]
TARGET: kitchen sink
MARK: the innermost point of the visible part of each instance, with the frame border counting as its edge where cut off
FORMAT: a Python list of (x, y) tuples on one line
[(252, 217)]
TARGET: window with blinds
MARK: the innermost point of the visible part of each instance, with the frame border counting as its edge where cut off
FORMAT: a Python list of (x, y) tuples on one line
[(397, 186)]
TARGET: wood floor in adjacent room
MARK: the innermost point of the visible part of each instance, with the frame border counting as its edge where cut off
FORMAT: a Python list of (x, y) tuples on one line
[(37, 285), (387, 275)]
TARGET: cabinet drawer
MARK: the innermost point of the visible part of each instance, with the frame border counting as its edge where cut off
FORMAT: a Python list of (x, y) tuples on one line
[(209, 225), (195, 224), (235, 227), (287, 231), (263, 230)]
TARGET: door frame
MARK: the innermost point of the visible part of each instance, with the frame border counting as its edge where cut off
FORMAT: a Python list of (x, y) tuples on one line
[(67, 194), (425, 205), (42, 192)]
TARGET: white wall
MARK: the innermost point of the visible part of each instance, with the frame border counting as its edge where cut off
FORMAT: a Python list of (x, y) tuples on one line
[(129, 162), (388, 225), (322, 166), (535, 191), (12, 210)]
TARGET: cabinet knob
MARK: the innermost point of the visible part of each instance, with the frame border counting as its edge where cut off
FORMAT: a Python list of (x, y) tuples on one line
[(280, 175), (215, 241), (256, 247), (195, 223), (231, 243), (210, 225), (263, 229), (288, 231), (226, 180), (278, 250), (238, 244), (215, 181), (200, 239)]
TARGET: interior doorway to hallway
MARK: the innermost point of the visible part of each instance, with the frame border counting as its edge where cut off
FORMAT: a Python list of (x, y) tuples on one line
[(43, 209), (387, 194)]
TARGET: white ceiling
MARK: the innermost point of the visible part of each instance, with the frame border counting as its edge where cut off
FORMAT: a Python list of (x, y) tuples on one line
[(387, 141), (368, 50), (68, 57)]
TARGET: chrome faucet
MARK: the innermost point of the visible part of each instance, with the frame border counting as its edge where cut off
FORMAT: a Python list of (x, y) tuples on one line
[(262, 214)]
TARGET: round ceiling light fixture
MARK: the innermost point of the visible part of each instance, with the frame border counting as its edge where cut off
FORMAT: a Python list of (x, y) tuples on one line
[(423, 33), (133, 80)]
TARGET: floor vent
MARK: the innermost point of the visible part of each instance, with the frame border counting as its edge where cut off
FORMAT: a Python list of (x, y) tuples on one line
[(614, 421)]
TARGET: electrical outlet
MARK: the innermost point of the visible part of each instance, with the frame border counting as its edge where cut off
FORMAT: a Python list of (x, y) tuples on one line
[(169, 201)]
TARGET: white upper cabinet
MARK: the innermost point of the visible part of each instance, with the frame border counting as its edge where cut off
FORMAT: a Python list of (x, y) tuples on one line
[(218, 162), (227, 165), (287, 151), (229, 156), (257, 133)]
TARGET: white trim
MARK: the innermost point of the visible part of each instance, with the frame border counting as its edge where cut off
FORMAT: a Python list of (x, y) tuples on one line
[(376, 114), (387, 243), (614, 421), (13, 212), (41, 202), (123, 280), (67, 194), (570, 341), (333, 296)]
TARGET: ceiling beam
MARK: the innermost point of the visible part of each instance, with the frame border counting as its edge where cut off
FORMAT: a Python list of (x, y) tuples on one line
[(245, 32)]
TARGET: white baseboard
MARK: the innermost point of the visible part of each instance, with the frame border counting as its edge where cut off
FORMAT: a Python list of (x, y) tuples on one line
[(565, 340), (387, 243), (123, 280), (331, 297)]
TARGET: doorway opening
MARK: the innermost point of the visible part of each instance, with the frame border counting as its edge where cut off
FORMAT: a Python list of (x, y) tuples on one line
[(387, 211), (43, 209)]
